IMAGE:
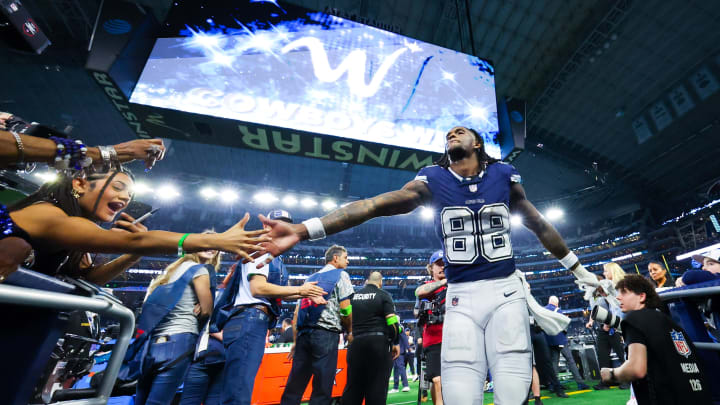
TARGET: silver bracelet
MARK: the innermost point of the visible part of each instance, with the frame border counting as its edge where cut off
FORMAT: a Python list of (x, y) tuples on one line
[(20, 148), (109, 156)]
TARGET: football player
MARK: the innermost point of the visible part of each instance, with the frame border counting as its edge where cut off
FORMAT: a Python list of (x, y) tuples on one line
[(486, 323)]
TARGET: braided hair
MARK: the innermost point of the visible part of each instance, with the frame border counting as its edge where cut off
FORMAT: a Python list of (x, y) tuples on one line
[(484, 160)]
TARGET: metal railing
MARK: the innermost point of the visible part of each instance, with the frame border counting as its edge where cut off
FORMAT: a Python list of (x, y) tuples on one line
[(100, 303), (702, 292)]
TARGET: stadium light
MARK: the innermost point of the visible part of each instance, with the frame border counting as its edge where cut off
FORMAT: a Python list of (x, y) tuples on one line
[(228, 195), (329, 204), (265, 197), (167, 192), (47, 177), (141, 188), (516, 220), (208, 193), (290, 201), (308, 202), (427, 213), (554, 213)]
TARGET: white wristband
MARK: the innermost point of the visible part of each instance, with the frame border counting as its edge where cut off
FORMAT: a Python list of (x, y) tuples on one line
[(569, 260), (315, 228)]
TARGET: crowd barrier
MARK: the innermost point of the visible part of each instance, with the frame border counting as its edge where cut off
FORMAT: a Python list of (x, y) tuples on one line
[(33, 306), (274, 370)]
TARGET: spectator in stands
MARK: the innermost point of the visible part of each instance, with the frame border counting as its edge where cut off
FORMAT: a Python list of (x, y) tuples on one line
[(659, 274), (185, 294), (710, 269), (662, 362), (559, 345), (287, 331), (59, 221)]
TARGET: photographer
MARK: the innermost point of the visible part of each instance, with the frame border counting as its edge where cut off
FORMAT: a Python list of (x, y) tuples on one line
[(431, 316), (661, 361)]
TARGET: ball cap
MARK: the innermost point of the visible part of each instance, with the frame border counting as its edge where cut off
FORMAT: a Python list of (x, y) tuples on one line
[(712, 255), (281, 215), (436, 256)]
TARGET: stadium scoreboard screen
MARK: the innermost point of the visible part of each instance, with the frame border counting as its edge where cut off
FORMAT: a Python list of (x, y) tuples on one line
[(274, 64)]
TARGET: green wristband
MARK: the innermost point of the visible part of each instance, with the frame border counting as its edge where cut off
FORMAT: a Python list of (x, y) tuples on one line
[(346, 311), (392, 320), (181, 251)]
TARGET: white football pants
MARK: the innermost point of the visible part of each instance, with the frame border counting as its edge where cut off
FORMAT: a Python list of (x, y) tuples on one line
[(486, 327)]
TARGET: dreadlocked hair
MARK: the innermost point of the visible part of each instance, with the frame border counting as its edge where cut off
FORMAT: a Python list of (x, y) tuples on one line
[(164, 278), (483, 158), (59, 193)]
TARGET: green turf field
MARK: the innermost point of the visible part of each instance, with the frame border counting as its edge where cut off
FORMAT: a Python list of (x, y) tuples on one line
[(586, 397)]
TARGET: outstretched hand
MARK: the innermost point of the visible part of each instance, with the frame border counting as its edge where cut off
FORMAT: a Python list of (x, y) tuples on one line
[(149, 150), (284, 236), (242, 242)]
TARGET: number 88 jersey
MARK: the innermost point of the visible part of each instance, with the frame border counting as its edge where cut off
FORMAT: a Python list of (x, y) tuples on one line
[(472, 218)]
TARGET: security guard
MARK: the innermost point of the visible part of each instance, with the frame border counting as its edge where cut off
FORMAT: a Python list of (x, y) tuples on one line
[(374, 344)]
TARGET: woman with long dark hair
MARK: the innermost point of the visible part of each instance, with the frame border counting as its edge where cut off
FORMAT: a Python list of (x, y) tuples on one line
[(185, 291), (60, 221)]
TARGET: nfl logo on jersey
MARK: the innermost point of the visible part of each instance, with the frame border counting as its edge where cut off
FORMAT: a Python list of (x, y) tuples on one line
[(680, 343)]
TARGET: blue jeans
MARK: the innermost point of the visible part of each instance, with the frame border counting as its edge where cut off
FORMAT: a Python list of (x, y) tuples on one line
[(244, 340), (203, 384), (315, 356), (156, 386), (399, 371)]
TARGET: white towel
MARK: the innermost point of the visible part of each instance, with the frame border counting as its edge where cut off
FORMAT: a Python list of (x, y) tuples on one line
[(549, 321)]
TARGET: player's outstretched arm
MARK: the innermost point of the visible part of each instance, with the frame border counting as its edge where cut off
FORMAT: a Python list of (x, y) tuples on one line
[(285, 236), (545, 232), (402, 201), (548, 235)]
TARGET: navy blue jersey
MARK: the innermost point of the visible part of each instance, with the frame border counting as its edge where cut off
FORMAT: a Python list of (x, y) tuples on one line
[(473, 220)]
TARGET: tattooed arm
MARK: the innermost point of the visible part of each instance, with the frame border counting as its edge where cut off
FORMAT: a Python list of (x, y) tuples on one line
[(427, 290), (412, 195)]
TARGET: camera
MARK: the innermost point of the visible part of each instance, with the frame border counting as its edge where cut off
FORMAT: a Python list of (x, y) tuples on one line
[(430, 313), (602, 315)]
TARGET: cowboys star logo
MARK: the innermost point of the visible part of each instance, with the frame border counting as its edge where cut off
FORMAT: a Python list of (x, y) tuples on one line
[(30, 28)]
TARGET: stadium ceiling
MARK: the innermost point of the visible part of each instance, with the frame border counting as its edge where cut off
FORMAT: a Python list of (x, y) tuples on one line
[(602, 80)]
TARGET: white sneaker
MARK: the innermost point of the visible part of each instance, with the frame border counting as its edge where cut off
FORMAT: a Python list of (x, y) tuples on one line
[(393, 391), (406, 389)]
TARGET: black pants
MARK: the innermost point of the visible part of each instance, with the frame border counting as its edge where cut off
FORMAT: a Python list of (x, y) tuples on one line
[(316, 353), (605, 341), (410, 361), (543, 363), (369, 362)]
